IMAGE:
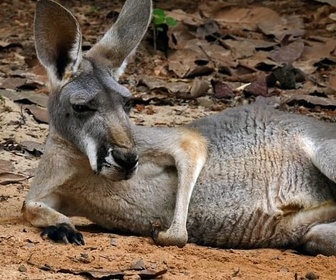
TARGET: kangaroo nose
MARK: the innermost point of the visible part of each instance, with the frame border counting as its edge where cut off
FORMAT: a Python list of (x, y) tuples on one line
[(128, 161)]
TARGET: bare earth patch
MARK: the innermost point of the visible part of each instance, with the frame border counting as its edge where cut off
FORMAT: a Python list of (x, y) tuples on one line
[(234, 54), (25, 255)]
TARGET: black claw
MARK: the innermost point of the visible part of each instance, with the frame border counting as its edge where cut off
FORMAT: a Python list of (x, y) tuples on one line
[(63, 233), (77, 238)]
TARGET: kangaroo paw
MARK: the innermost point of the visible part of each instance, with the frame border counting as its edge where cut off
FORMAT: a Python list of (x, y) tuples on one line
[(63, 233), (171, 237)]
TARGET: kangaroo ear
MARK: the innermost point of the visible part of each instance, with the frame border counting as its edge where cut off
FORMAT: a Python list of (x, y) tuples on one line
[(58, 40), (123, 37)]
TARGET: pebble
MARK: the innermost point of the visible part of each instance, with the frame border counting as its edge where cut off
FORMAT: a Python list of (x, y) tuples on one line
[(113, 242), (22, 268), (138, 265), (283, 269), (311, 276), (205, 101)]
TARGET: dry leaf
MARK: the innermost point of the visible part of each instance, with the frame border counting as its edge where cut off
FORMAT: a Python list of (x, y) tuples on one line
[(257, 88), (11, 178), (206, 29), (6, 166), (221, 90), (184, 62), (154, 83), (199, 87), (316, 49), (330, 2), (241, 48), (12, 83), (180, 36), (104, 274), (309, 101), (186, 18), (288, 53), (40, 114), (280, 27), (332, 82), (238, 18), (27, 97)]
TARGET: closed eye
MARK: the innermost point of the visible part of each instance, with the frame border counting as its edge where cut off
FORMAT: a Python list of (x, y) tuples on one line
[(81, 108)]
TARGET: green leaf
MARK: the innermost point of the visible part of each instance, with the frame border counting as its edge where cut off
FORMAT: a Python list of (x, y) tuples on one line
[(94, 9), (158, 20), (159, 13), (171, 21)]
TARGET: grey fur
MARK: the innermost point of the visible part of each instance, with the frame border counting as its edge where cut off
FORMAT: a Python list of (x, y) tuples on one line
[(268, 177)]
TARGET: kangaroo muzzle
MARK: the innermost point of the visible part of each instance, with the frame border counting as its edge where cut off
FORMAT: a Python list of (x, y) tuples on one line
[(118, 164), (127, 161)]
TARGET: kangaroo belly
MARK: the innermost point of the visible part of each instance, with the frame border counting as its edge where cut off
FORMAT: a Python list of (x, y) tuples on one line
[(244, 201), (136, 205)]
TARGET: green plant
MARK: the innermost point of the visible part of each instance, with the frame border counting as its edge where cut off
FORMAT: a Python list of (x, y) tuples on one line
[(160, 17), (161, 24), (94, 9)]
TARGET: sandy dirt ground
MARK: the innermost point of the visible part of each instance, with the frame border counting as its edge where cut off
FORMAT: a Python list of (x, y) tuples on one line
[(25, 255), (107, 255)]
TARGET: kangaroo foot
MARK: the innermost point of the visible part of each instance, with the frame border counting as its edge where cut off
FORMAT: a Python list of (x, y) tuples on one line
[(174, 236), (63, 233)]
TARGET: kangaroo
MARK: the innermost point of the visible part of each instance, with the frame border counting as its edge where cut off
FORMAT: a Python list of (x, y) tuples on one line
[(88, 111), (248, 177)]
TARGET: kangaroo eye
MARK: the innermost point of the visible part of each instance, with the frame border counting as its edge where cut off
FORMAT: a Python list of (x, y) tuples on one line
[(81, 108)]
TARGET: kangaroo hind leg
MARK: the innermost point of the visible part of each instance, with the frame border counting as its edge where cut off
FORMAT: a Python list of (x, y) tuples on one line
[(324, 158), (320, 239)]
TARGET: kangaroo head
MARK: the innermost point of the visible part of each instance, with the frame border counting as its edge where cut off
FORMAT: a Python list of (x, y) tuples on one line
[(87, 105)]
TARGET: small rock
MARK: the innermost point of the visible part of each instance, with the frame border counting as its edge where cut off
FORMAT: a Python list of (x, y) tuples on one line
[(311, 276), (84, 255), (84, 258), (30, 245), (22, 268), (283, 269), (236, 272), (153, 265), (205, 101), (138, 265), (113, 242)]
